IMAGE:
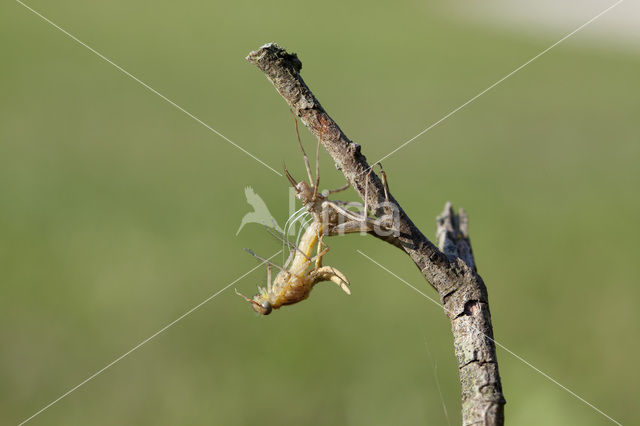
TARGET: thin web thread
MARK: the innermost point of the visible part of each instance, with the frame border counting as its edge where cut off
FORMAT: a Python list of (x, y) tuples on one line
[(495, 84), (551, 379), (163, 329), (145, 85)]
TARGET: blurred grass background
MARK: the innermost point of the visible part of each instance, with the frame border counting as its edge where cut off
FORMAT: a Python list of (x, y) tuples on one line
[(118, 213)]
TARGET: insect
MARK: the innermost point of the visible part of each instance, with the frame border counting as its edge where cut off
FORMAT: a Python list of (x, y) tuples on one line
[(303, 270), (335, 215), (300, 273)]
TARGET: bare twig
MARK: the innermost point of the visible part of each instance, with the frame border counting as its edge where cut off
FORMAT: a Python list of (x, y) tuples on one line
[(451, 272)]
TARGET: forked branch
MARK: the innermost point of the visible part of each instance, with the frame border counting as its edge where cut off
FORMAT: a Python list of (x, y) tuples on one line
[(450, 269)]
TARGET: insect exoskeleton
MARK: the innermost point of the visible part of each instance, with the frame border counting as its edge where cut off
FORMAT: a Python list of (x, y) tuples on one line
[(303, 270), (300, 273)]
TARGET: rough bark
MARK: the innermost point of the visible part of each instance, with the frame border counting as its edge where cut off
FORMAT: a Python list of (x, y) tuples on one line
[(450, 270)]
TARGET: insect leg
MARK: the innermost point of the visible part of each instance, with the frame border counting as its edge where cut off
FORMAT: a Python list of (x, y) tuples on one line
[(253, 302), (317, 183), (366, 224), (251, 252), (319, 255), (328, 273), (281, 239), (342, 188), (288, 261), (385, 183), (289, 177), (317, 258), (344, 211), (352, 227), (292, 249), (366, 193), (388, 211), (304, 154), (281, 236)]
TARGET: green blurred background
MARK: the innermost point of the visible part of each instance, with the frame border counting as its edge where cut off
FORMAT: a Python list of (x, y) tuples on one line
[(118, 213)]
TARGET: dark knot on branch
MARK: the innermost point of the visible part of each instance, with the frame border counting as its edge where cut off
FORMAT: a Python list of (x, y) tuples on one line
[(271, 54)]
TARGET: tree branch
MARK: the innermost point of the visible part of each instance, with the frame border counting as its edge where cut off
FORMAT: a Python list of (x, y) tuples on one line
[(451, 272)]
